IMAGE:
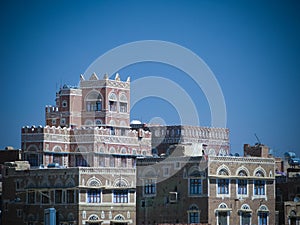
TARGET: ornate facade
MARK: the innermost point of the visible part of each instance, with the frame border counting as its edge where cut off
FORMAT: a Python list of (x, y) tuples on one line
[(214, 190), (80, 195), (216, 140), (89, 126)]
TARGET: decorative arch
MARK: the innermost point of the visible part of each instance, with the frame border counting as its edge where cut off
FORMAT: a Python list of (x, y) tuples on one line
[(121, 182), (112, 97), (223, 206), (259, 172), (57, 148), (93, 95), (224, 170), (193, 207), (112, 150), (245, 207), (88, 122), (123, 97), (98, 122), (112, 123), (123, 151), (242, 171), (93, 217), (119, 217), (263, 208), (94, 182), (123, 123), (93, 101), (101, 149)]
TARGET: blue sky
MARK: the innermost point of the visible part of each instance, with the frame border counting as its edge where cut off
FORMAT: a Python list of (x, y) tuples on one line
[(252, 47)]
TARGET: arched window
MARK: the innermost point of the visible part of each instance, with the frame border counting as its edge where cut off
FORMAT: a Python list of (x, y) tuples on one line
[(194, 214), (123, 103), (112, 102), (93, 101), (263, 215), (259, 184), (245, 214), (223, 213)]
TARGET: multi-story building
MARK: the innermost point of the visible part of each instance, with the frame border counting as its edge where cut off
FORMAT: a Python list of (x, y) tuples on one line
[(89, 126), (215, 140), (83, 166), (288, 191), (80, 195), (216, 190)]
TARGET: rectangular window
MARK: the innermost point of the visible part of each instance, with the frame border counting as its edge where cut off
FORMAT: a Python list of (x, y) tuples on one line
[(246, 218), (195, 187), (112, 161), (194, 217), (53, 122), (259, 187), (242, 187), (58, 196), (222, 218), (31, 197), (70, 196), (112, 106), (123, 162), (98, 106), (120, 196), (123, 132), (94, 196), (223, 186), (123, 107), (149, 187), (45, 197), (262, 218)]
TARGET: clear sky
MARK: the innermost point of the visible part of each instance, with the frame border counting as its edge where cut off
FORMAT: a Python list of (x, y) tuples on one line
[(252, 47)]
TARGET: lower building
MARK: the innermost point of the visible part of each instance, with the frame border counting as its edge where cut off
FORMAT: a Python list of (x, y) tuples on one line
[(79, 195), (216, 190)]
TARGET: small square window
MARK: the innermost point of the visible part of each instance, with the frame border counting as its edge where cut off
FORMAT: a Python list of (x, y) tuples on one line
[(62, 121)]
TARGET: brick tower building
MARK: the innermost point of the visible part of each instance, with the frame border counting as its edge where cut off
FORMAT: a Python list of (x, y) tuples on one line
[(88, 126)]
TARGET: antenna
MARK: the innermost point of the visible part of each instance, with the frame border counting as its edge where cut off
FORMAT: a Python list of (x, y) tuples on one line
[(258, 141)]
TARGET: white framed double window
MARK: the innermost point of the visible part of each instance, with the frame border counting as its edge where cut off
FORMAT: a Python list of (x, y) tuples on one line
[(223, 187), (195, 186)]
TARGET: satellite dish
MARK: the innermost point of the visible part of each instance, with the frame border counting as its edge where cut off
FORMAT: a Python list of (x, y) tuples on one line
[(297, 199)]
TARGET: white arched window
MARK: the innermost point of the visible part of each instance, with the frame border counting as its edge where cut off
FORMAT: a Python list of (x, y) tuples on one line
[(245, 214), (112, 102), (223, 213), (263, 215), (123, 103), (93, 101)]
